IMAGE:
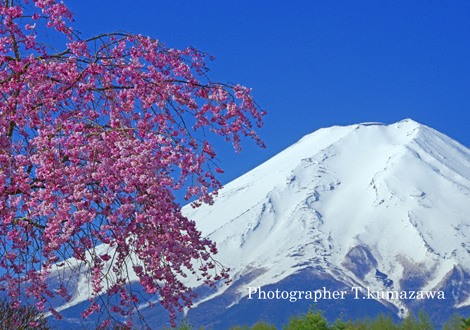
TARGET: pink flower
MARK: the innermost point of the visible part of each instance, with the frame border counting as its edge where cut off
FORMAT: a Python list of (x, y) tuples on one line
[(94, 144)]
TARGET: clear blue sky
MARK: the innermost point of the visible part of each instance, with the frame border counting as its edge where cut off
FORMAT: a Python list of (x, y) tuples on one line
[(314, 64)]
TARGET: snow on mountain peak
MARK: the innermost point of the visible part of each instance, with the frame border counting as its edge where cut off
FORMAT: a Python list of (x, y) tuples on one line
[(399, 193), (370, 205)]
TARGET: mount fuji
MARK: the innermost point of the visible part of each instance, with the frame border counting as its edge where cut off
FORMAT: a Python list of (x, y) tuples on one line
[(357, 220)]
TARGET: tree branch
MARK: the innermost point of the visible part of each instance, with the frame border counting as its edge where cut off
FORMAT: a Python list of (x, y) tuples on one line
[(29, 221)]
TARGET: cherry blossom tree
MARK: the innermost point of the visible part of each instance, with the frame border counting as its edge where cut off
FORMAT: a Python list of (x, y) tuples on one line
[(95, 139)]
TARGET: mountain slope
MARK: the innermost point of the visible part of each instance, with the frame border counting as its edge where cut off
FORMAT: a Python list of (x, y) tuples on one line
[(375, 207)]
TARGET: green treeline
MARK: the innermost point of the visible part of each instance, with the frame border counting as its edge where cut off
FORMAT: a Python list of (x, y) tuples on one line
[(314, 320)]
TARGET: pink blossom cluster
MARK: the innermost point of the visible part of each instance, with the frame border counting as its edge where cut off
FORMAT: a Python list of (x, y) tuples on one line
[(94, 142)]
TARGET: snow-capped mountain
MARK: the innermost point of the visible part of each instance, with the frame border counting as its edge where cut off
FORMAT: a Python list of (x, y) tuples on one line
[(376, 206), (354, 209)]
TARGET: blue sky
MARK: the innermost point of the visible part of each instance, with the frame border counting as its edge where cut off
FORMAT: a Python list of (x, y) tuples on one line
[(314, 64)]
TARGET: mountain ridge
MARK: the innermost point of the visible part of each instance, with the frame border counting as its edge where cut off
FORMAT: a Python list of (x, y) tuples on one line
[(375, 206), (314, 191)]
